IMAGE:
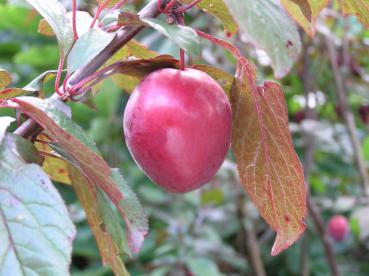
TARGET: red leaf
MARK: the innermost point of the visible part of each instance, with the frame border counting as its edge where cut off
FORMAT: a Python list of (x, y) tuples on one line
[(108, 248), (267, 162)]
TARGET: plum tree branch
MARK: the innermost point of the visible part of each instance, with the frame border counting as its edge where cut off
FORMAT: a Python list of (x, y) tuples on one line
[(348, 115), (248, 241), (123, 36), (314, 211)]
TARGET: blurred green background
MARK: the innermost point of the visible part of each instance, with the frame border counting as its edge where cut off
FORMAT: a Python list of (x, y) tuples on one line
[(206, 232)]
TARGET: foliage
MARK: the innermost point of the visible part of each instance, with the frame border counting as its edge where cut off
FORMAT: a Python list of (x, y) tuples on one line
[(209, 231)]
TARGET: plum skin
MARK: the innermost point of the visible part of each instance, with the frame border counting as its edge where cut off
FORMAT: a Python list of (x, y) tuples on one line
[(338, 227), (177, 126)]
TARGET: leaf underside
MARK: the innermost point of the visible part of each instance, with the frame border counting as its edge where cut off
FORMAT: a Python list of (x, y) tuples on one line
[(83, 153), (267, 162), (36, 232), (268, 27)]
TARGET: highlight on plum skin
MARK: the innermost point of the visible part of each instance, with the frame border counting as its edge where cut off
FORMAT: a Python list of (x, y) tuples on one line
[(177, 126), (338, 228)]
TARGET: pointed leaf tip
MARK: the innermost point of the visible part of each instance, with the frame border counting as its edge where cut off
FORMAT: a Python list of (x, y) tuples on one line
[(286, 239), (267, 163)]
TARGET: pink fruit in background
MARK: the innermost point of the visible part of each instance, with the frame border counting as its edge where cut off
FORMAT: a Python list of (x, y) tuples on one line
[(177, 126), (364, 113), (299, 116), (338, 227)]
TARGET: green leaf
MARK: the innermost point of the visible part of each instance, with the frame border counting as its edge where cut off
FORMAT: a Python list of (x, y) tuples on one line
[(105, 227), (131, 49), (82, 149), (43, 56), (203, 266), (24, 148), (214, 196), (132, 71), (18, 18), (5, 79), (36, 232), (366, 148), (10, 92), (270, 29), (83, 22), (220, 10), (37, 84), (56, 15), (359, 8), (4, 124), (87, 47), (185, 37)]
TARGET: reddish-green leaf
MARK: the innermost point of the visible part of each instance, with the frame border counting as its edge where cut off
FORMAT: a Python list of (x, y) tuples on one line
[(220, 10), (305, 12), (71, 138), (56, 168), (45, 28), (9, 93), (360, 8), (5, 79), (131, 49), (87, 195), (129, 19), (35, 85), (141, 67), (111, 3), (224, 79), (4, 124), (267, 162)]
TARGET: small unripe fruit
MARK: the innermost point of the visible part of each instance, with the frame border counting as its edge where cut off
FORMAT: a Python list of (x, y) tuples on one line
[(177, 126), (338, 227)]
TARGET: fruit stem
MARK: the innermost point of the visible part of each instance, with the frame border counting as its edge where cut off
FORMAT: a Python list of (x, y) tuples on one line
[(181, 21), (98, 12), (65, 81), (168, 6), (182, 59), (74, 19), (189, 6)]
